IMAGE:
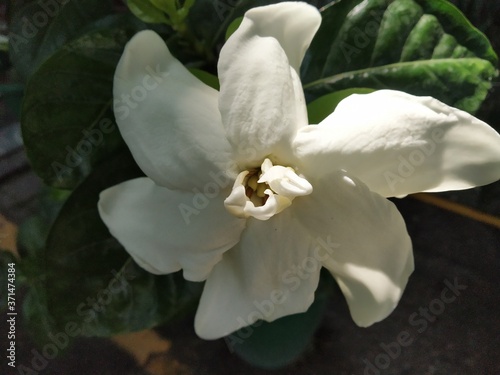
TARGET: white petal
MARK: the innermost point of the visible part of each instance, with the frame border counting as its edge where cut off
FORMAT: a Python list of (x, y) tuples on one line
[(269, 274), (261, 99), (284, 181), (293, 24), (165, 230), (274, 205), (362, 240), (236, 201), (400, 144), (169, 119)]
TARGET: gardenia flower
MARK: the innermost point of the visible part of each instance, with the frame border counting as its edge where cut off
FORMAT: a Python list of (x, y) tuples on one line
[(241, 192)]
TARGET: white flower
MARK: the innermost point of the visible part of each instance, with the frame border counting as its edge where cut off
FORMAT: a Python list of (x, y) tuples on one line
[(242, 193)]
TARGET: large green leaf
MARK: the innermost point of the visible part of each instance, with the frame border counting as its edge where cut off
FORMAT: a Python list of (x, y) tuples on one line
[(31, 240), (40, 28), (424, 47), (67, 118), (92, 281), (34, 230)]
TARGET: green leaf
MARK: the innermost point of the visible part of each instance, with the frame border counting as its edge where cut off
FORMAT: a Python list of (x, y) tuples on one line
[(125, 21), (423, 47), (147, 12), (92, 281), (319, 109), (277, 344), (31, 240), (210, 19), (36, 315), (33, 231), (233, 26), (167, 6), (68, 105), (40, 28), (205, 77)]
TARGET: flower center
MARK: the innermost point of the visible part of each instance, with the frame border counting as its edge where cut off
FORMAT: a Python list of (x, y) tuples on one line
[(263, 192)]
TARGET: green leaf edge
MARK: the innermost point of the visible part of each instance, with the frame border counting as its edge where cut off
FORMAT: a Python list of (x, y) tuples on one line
[(320, 108)]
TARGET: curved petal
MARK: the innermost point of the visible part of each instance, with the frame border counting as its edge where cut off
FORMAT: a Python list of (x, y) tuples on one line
[(165, 230), (400, 144), (292, 24), (269, 274), (362, 240), (168, 118), (261, 98)]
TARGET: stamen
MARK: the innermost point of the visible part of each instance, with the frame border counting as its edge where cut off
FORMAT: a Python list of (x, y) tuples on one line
[(260, 190), (263, 192), (252, 182)]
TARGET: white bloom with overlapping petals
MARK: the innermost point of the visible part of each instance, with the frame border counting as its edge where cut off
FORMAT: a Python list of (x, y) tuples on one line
[(290, 183)]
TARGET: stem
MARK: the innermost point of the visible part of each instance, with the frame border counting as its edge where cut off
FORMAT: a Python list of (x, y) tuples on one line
[(458, 209)]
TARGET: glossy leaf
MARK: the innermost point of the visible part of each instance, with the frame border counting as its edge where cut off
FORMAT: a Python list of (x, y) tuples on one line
[(206, 78), (210, 19), (147, 12), (68, 105), (423, 47), (92, 281), (233, 26), (167, 6), (39, 28), (319, 109), (34, 230)]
